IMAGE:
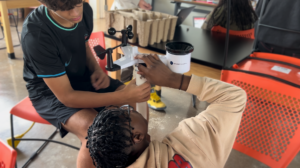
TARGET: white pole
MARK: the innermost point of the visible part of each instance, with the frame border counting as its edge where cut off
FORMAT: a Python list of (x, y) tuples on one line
[(142, 108)]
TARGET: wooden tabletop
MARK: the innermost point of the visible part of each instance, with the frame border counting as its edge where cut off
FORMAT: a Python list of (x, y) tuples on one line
[(199, 2), (11, 4)]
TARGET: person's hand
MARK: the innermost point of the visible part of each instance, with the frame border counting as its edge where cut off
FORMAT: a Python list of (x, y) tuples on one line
[(157, 72), (100, 80), (144, 5), (136, 94)]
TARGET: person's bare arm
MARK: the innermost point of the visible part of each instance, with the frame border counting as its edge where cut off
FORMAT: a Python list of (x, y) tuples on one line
[(144, 5), (130, 4), (99, 79), (64, 92), (90, 60)]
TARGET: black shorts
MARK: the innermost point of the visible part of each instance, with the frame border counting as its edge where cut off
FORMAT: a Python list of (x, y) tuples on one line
[(52, 110)]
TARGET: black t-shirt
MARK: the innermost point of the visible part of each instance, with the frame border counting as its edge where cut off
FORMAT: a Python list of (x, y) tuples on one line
[(51, 50)]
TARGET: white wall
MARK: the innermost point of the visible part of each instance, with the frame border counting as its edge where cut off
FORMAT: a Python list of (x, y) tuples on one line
[(102, 8), (98, 8)]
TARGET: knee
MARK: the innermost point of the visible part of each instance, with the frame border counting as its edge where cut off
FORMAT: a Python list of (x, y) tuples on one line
[(80, 122), (84, 127)]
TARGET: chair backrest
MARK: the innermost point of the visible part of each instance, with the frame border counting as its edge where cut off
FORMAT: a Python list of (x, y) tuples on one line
[(245, 33), (276, 57), (97, 38), (8, 156), (270, 126)]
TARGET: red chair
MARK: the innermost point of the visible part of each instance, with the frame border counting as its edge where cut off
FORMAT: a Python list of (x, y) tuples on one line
[(97, 38), (246, 33), (25, 110), (270, 128), (276, 57), (8, 156)]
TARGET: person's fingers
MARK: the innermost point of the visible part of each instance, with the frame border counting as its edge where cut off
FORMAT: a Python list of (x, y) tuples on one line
[(100, 84), (145, 92), (144, 6), (151, 57), (132, 82), (146, 59), (148, 92), (104, 84), (93, 79), (97, 82), (146, 89), (140, 73), (149, 7), (155, 56), (139, 56), (144, 86), (149, 86), (146, 98), (143, 70)]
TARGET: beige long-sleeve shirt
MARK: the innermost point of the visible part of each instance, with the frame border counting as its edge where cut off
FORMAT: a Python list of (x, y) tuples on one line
[(203, 141)]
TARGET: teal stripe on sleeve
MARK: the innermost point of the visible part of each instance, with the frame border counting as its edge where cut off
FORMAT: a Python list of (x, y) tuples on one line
[(55, 75)]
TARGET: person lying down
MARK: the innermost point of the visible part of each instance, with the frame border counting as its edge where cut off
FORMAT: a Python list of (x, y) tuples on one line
[(118, 136)]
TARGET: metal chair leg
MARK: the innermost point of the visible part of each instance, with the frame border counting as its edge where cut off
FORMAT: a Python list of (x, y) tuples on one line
[(2, 32), (4, 37), (194, 100), (37, 152), (12, 135), (16, 25), (32, 157)]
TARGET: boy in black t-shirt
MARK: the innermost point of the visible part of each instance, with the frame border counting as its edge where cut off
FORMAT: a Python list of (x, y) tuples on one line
[(65, 84)]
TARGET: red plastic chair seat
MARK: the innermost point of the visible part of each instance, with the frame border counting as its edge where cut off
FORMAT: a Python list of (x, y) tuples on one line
[(8, 156), (245, 33), (25, 110)]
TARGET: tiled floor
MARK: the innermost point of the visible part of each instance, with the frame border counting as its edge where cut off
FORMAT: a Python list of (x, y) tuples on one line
[(12, 90)]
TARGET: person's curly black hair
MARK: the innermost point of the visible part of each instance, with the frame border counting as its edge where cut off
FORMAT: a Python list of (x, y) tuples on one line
[(62, 5), (242, 14), (108, 137)]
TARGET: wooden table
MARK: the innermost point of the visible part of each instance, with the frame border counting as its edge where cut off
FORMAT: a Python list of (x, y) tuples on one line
[(199, 3), (12, 4)]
